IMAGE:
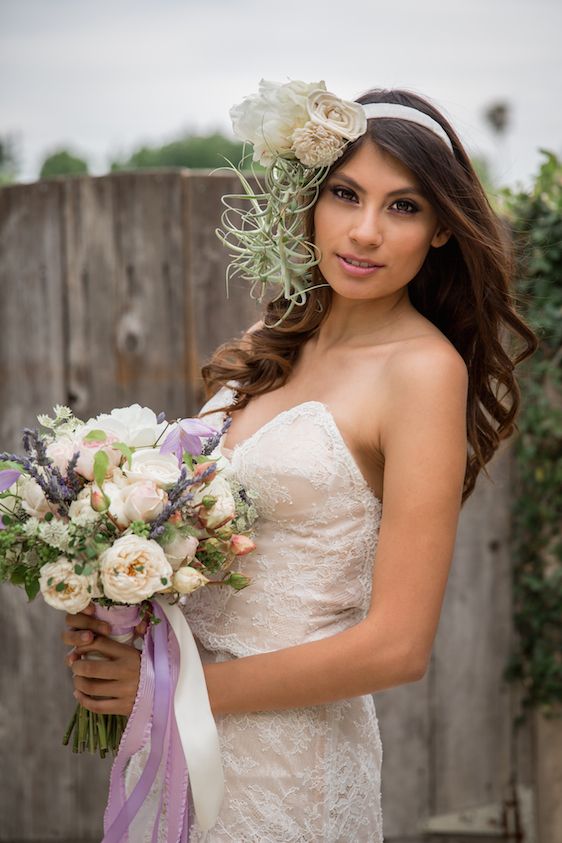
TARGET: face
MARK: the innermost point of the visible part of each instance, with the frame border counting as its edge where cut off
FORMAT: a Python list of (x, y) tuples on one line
[(372, 211)]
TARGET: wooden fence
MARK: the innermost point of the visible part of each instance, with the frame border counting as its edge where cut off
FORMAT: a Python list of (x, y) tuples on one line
[(112, 291)]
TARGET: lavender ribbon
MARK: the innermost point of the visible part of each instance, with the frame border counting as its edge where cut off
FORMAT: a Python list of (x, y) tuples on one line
[(152, 717)]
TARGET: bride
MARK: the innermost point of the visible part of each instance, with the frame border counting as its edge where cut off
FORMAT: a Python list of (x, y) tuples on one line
[(361, 418)]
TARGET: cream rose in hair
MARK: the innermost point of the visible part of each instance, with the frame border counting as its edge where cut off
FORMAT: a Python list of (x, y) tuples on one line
[(64, 589), (343, 118), (133, 569), (268, 119)]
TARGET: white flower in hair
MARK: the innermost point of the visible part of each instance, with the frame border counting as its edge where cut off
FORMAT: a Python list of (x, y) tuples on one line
[(346, 119), (316, 146), (269, 118)]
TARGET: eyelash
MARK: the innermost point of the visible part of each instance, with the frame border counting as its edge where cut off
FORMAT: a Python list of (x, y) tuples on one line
[(412, 205)]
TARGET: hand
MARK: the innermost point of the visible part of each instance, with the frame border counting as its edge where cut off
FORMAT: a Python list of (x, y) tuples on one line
[(116, 676)]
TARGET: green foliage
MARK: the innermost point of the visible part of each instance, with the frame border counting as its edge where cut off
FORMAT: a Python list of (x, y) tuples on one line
[(9, 163), (194, 152), (536, 220), (62, 163)]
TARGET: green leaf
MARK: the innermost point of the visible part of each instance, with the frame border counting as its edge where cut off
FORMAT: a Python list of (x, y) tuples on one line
[(95, 436), (60, 586), (101, 464), (32, 588), (125, 450), (188, 460)]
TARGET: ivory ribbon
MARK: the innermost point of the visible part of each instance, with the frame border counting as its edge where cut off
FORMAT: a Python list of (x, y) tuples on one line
[(172, 710)]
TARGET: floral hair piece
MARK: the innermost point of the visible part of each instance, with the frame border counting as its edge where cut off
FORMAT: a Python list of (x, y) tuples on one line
[(297, 131)]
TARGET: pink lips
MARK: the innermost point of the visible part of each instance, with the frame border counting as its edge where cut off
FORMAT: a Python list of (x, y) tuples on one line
[(358, 271)]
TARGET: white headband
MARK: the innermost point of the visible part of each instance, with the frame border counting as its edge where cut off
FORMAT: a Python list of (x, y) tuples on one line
[(405, 112)]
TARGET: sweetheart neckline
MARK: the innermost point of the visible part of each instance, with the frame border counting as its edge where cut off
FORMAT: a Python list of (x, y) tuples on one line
[(328, 414)]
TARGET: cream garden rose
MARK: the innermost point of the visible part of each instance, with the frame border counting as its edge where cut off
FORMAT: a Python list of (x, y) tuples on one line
[(143, 501), (316, 146), (133, 569), (180, 550), (34, 501), (224, 508), (64, 589)]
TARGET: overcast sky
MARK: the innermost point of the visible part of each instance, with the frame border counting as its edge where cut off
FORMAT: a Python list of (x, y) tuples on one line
[(103, 77)]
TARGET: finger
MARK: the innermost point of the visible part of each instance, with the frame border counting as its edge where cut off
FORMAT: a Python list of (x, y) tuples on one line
[(83, 620), (97, 687), (103, 706), (109, 648), (77, 639), (99, 669)]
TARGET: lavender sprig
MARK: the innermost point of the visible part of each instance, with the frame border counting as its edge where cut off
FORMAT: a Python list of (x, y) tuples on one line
[(176, 498), (214, 441)]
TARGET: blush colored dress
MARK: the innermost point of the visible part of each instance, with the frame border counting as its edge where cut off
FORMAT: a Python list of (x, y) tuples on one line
[(301, 775)]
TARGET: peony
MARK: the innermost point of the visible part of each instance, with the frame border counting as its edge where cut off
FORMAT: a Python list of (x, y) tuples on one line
[(64, 589), (181, 549), (224, 508), (268, 119), (34, 501), (187, 579), (136, 426), (316, 146), (143, 501), (133, 569), (149, 464), (341, 117)]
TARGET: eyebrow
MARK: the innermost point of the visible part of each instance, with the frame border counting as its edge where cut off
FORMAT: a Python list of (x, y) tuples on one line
[(406, 189)]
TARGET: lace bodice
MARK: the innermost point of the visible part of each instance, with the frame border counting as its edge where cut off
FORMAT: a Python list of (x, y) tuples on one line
[(316, 537)]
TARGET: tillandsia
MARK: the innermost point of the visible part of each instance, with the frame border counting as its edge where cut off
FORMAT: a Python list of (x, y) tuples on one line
[(297, 131), (100, 512)]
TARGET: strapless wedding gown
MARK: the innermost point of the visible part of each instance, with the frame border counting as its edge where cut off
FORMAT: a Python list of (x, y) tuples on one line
[(301, 775)]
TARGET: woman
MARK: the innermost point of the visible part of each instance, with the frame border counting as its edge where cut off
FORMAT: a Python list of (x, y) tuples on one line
[(362, 419)]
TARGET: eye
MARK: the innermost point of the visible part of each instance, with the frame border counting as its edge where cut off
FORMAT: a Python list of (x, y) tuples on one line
[(339, 191), (407, 206)]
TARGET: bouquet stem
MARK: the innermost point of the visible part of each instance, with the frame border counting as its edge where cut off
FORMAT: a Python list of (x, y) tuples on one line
[(91, 731)]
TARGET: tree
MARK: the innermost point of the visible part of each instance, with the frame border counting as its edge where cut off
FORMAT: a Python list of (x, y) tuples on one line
[(9, 163), (62, 163), (194, 152)]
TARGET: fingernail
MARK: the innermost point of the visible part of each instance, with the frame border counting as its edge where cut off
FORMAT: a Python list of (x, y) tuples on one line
[(85, 636)]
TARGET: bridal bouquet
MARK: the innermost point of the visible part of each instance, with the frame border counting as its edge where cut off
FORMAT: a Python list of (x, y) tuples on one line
[(100, 511)]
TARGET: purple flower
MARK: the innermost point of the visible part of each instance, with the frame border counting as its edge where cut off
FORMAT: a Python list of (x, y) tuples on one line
[(8, 477), (186, 436)]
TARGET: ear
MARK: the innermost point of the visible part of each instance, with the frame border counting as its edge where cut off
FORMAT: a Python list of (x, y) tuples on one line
[(440, 237)]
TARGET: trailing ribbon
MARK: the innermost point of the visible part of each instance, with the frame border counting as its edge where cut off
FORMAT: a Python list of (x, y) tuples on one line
[(173, 713)]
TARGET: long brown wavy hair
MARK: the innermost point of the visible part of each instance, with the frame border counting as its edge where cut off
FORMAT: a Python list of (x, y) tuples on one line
[(464, 288)]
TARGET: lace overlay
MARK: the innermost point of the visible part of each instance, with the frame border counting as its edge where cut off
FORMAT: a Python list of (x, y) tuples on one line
[(302, 775)]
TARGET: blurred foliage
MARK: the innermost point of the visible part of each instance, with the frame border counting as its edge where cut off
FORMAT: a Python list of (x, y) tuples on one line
[(62, 163), (194, 152), (536, 220), (9, 159)]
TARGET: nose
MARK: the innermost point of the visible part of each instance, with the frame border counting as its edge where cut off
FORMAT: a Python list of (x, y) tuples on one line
[(366, 228)]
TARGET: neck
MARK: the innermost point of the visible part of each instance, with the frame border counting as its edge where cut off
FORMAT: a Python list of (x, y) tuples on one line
[(355, 323)]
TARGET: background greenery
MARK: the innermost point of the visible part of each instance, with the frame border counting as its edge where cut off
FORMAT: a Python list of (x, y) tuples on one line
[(536, 220)]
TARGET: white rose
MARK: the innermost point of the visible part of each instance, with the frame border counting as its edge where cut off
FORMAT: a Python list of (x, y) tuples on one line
[(34, 501), (136, 426), (186, 580), (117, 496), (143, 501), (344, 118), (223, 510), (63, 589), (268, 119), (316, 146), (149, 464), (133, 569), (181, 549), (10, 503)]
